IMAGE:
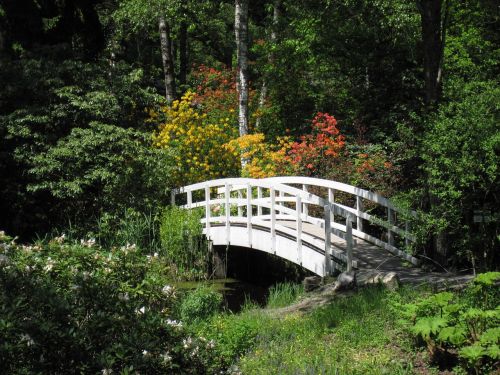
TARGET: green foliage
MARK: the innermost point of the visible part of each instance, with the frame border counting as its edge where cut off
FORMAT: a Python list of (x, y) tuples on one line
[(77, 308), (102, 167), (200, 304), (284, 294), (182, 241), (467, 322)]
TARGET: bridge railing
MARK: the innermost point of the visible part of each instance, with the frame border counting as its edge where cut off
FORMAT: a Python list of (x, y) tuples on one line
[(272, 205)]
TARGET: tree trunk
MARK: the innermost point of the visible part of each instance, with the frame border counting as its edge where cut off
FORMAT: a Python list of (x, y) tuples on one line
[(241, 31), (433, 22), (183, 63), (166, 56), (273, 39)]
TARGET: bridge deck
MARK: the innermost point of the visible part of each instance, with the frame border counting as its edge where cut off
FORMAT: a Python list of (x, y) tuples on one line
[(371, 258)]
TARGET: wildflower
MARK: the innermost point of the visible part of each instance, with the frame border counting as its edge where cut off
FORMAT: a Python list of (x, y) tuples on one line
[(88, 243), (123, 296), (106, 371), (25, 338), (187, 342), (166, 358), (60, 239), (168, 290), (211, 344), (145, 353), (174, 323), (142, 310)]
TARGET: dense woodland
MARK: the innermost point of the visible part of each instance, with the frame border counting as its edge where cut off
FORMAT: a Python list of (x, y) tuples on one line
[(105, 105)]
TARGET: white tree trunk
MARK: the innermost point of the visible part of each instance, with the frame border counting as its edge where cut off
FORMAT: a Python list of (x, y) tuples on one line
[(241, 31)]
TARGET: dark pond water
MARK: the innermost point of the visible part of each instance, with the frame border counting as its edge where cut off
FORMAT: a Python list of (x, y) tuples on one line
[(235, 292)]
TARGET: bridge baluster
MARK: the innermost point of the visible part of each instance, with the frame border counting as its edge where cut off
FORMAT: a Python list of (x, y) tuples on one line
[(207, 211), (240, 207), (298, 208), (390, 219), (272, 194), (328, 240), (228, 212), (348, 225), (259, 196), (359, 209), (189, 198), (172, 197), (305, 208), (249, 214), (331, 199)]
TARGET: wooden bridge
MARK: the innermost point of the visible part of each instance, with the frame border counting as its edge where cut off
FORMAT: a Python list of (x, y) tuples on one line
[(302, 220)]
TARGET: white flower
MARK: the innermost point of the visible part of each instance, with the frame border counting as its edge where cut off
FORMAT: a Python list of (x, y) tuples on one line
[(25, 338), (187, 342), (145, 353), (155, 255), (50, 264), (106, 371), (165, 357), (174, 323), (142, 310), (168, 290), (123, 296), (60, 239), (88, 243), (4, 260)]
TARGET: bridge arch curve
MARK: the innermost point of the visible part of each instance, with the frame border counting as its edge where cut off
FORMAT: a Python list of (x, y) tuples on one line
[(280, 216)]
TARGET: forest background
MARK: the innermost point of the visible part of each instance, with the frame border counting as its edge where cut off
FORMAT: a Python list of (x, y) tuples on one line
[(106, 105)]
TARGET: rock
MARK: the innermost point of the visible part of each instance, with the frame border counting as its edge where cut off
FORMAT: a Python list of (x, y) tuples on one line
[(346, 280), (311, 283), (389, 279)]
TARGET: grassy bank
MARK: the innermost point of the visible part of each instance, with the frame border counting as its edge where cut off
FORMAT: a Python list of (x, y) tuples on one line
[(352, 335)]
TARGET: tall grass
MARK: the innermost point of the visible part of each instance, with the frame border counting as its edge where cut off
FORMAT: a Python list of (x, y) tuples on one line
[(284, 294), (182, 240)]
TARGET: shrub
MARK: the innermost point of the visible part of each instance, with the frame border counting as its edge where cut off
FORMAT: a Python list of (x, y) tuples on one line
[(77, 308), (466, 324), (200, 304)]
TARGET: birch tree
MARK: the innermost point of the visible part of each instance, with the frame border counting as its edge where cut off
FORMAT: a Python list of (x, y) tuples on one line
[(241, 33)]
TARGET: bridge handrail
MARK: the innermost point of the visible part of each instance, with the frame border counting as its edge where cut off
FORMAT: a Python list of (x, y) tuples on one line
[(303, 198)]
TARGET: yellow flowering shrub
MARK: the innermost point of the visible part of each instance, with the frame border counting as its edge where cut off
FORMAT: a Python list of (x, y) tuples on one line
[(263, 159), (198, 144)]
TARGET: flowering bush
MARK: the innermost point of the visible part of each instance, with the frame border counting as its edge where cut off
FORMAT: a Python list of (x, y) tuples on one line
[(196, 141), (76, 308), (264, 159)]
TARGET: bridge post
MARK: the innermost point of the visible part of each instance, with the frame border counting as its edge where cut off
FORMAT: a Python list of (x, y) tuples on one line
[(348, 224), (298, 208), (249, 214), (240, 208), (207, 211), (331, 199), (172, 197), (272, 194), (328, 240), (189, 198), (228, 211), (259, 196), (305, 208), (359, 209), (390, 219)]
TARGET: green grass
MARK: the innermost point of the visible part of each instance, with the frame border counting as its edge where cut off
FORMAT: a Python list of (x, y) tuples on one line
[(284, 294), (352, 335)]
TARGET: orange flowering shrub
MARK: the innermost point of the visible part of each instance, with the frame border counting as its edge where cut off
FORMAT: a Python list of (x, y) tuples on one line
[(198, 143), (323, 143)]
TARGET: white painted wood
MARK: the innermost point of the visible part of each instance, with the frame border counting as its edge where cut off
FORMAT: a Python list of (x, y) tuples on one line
[(228, 212), (305, 208), (259, 197), (331, 199), (249, 214), (172, 197), (272, 194), (207, 211), (349, 243), (298, 208), (359, 209), (280, 193), (328, 241)]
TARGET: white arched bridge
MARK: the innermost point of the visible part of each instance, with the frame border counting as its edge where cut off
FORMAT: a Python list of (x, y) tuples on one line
[(302, 219)]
